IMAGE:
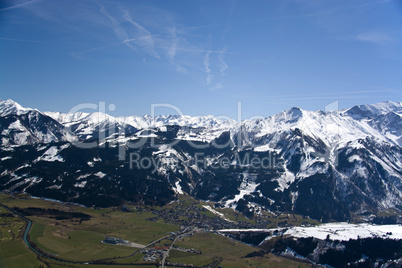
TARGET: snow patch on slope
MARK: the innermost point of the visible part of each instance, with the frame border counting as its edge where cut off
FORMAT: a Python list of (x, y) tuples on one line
[(248, 186), (178, 189), (216, 213), (344, 231), (100, 174), (51, 155), (80, 184)]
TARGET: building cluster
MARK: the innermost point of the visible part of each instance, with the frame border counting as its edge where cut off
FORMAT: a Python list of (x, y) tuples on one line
[(118, 241), (152, 254), (114, 241), (196, 216)]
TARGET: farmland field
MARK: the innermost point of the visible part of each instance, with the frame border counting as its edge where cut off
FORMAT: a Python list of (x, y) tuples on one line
[(76, 239)]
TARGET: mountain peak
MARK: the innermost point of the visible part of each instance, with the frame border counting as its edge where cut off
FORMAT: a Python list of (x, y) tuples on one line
[(11, 107), (370, 110), (293, 114), (353, 163)]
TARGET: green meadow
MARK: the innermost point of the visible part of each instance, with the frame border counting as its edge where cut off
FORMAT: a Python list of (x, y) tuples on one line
[(80, 240)]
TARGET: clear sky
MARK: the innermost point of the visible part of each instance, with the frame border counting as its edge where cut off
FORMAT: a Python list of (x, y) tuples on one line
[(202, 56)]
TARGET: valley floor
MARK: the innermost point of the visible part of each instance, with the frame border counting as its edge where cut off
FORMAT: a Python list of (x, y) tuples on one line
[(178, 234)]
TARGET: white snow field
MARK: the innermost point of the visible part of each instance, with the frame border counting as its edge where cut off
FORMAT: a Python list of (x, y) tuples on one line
[(342, 231)]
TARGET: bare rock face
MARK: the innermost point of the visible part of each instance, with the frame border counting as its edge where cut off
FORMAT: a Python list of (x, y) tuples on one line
[(325, 165)]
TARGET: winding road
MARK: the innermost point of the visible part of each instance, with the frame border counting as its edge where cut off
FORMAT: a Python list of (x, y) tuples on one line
[(33, 247)]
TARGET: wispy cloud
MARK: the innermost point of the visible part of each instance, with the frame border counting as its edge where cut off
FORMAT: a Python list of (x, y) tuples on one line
[(210, 77), (172, 49), (145, 29), (161, 38), (120, 32), (81, 55), (201, 50), (171, 52), (339, 19), (145, 39), (206, 62), (138, 37), (207, 70), (217, 86), (221, 63), (19, 5), (374, 37)]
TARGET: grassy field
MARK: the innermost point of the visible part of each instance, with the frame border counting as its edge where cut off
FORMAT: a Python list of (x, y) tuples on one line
[(81, 246), (13, 252), (215, 246), (72, 239)]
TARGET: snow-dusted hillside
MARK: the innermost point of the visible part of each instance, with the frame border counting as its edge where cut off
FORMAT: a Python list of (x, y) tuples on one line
[(326, 165), (25, 126), (341, 231)]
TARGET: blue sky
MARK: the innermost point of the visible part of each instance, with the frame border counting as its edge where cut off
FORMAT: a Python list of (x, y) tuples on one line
[(202, 56)]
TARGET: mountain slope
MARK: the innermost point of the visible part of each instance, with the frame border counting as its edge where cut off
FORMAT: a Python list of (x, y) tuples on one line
[(327, 165), (21, 126)]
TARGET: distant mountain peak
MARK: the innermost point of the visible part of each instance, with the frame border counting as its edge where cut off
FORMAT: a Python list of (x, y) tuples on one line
[(332, 164), (9, 106), (369, 110)]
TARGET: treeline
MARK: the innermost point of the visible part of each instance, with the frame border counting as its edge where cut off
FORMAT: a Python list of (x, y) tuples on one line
[(366, 252), (394, 219), (52, 213)]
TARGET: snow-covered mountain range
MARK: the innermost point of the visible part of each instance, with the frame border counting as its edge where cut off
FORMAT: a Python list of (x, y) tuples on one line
[(332, 165)]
